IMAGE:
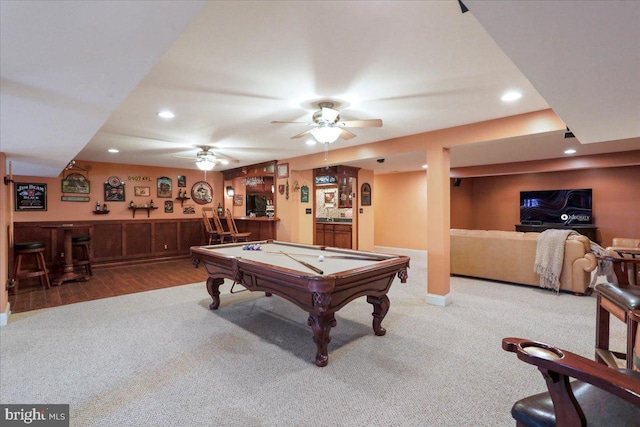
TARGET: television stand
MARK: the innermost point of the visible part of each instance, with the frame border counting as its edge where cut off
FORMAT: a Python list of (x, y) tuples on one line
[(584, 229)]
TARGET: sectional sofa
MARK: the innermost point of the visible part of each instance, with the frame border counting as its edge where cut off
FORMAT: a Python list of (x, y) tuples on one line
[(509, 256)]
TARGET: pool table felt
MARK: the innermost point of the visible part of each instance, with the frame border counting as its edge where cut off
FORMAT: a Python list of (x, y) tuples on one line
[(270, 254)]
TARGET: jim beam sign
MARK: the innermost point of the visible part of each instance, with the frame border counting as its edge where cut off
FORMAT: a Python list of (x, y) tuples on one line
[(31, 197)]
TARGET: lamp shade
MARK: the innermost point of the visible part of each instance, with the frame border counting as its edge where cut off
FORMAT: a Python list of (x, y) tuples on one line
[(326, 134), (204, 164)]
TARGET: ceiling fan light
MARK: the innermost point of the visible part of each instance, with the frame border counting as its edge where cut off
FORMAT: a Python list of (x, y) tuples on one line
[(204, 164), (326, 134)]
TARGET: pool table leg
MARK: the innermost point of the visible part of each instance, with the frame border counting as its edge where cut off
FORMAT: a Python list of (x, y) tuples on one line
[(380, 308), (321, 325), (213, 286)]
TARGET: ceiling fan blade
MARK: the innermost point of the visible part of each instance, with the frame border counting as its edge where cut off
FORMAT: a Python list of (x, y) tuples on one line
[(282, 121), (300, 135), (329, 114), (346, 135), (373, 123)]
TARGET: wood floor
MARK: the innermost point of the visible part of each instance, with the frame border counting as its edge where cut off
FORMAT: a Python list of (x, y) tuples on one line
[(106, 282)]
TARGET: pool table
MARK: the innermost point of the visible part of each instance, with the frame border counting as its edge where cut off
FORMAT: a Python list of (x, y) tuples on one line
[(320, 280)]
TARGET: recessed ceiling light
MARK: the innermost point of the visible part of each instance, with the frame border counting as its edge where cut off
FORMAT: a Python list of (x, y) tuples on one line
[(425, 166), (166, 114), (113, 150), (570, 151), (511, 96)]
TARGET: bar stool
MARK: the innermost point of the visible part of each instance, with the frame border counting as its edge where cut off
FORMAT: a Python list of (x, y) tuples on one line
[(35, 249), (84, 260), (621, 300)]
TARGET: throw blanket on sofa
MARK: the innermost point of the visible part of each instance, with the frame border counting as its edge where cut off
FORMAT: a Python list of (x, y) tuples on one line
[(550, 257)]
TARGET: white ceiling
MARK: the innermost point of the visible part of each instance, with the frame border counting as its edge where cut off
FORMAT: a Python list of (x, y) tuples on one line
[(81, 77)]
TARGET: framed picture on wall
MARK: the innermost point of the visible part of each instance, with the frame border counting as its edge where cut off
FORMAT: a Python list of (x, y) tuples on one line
[(30, 196), (283, 170), (164, 187), (142, 191), (168, 206), (76, 183), (182, 181), (365, 195)]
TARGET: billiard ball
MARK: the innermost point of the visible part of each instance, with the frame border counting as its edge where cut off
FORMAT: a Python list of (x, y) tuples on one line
[(321, 258)]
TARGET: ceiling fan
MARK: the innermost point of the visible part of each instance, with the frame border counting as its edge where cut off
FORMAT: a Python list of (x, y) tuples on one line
[(327, 127), (206, 160)]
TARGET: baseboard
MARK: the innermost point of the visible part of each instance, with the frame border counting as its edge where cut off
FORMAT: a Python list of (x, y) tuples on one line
[(411, 253), (4, 317), (438, 300)]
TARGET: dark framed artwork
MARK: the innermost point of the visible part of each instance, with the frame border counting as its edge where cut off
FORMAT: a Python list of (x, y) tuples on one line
[(76, 183), (182, 180), (202, 193), (238, 199), (304, 194), (113, 193), (365, 195), (168, 206), (30, 196), (164, 187)]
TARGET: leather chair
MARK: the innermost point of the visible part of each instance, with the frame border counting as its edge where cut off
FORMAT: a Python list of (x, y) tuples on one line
[(617, 299), (22, 250), (599, 396)]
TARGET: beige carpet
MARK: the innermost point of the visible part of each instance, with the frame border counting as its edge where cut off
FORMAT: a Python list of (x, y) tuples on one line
[(162, 358)]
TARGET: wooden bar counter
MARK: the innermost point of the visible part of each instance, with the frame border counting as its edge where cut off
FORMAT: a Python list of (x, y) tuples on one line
[(261, 227)]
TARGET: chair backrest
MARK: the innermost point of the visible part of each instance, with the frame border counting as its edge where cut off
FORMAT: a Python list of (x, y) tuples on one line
[(231, 223), (216, 221), (207, 221), (626, 268)]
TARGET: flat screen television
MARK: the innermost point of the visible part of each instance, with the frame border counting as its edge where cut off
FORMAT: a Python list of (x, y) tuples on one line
[(569, 207), (256, 205)]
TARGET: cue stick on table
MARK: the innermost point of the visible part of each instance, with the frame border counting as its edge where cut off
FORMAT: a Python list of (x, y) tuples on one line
[(316, 269), (360, 258)]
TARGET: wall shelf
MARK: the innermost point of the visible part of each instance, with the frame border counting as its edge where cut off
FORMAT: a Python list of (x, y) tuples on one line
[(143, 208), (182, 199), (100, 212)]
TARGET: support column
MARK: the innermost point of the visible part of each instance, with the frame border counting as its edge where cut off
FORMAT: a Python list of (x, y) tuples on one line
[(438, 226)]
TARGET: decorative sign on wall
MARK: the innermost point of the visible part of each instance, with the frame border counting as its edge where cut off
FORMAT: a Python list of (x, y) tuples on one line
[(304, 194), (76, 183), (168, 206), (237, 199), (114, 190), (182, 181), (326, 179), (365, 195), (164, 187), (30, 196), (202, 193), (138, 178)]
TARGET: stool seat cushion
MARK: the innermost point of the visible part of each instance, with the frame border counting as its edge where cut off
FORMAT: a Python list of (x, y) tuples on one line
[(80, 239), (600, 407), (27, 245), (627, 297)]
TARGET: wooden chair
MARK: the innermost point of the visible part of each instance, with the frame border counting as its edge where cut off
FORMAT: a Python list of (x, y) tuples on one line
[(619, 299), (211, 215), (600, 396), (236, 236), (33, 249), (210, 234)]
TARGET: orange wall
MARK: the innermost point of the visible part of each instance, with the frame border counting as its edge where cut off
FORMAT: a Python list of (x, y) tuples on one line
[(616, 198), (492, 203), (58, 210), (365, 221), (400, 210)]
